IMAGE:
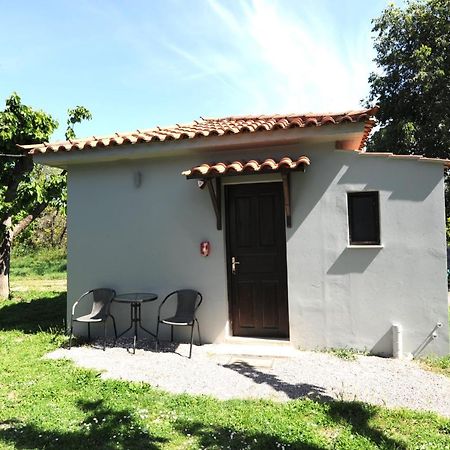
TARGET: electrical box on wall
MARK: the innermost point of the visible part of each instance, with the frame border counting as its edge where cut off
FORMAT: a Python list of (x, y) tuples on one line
[(205, 248)]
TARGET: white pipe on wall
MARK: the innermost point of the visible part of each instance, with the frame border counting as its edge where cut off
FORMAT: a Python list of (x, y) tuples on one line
[(397, 341)]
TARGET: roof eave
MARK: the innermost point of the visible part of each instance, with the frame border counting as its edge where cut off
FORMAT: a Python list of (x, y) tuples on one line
[(310, 135)]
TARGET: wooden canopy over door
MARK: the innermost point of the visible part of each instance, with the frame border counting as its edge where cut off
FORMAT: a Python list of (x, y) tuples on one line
[(206, 173), (256, 255)]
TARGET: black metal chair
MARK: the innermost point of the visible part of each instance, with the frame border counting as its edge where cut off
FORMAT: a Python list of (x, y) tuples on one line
[(101, 304), (187, 303)]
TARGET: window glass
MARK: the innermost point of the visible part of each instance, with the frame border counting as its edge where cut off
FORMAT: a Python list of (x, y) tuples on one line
[(364, 218)]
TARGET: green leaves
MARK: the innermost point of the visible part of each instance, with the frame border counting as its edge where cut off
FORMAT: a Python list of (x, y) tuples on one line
[(24, 186), (21, 124), (76, 115), (412, 86), (25, 189)]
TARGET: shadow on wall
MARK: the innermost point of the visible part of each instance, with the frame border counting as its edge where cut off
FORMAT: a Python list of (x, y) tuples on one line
[(415, 184), (353, 260), (406, 180), (308, 188), (432, 335), (384, 345)]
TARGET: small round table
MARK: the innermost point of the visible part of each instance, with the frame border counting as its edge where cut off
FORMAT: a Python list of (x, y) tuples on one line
[(135, 300)]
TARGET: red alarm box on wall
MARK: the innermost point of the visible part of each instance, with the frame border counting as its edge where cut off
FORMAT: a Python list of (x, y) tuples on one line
[(205, 248)]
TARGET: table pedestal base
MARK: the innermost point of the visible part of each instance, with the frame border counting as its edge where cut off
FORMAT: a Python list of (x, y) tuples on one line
[(136, 323)]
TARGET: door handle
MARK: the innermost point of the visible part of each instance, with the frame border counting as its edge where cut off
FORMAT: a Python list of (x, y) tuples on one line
[(234, 263)]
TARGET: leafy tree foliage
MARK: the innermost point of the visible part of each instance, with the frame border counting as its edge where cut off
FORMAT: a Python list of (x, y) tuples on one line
[(412, 86), (76, 115), (26, 190)]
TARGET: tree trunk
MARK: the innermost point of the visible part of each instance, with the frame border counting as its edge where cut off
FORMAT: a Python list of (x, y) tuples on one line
[(7, 233), (5, 257), (63, 232)]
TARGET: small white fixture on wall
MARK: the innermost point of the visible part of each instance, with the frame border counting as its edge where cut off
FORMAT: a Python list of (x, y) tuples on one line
[(137, 179), (397, 341)]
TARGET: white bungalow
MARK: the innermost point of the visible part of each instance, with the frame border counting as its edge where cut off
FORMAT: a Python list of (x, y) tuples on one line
[(309, 239)]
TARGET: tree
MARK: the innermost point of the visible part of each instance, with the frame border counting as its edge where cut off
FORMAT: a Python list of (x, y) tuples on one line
[(413, 85), (26, 189)]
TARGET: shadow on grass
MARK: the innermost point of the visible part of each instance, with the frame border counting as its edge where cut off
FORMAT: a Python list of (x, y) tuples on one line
[(354, 414), (106, 429), (215, 437), (357, 416), (352, 417), (102, 428), (31, 316)]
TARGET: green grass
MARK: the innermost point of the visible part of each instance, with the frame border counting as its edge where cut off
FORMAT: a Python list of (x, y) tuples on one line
[(346, 353), (48, 263), (51, 404), (438, 364)]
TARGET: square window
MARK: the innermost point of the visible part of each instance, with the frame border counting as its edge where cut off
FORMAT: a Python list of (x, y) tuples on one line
[(364, 218)]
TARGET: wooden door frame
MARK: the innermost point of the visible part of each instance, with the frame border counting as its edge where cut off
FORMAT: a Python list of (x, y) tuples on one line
[(228, 251)]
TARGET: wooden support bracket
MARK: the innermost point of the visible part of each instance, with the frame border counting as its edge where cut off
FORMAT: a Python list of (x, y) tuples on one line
[(215, 192), (216, 199), (286, 177)]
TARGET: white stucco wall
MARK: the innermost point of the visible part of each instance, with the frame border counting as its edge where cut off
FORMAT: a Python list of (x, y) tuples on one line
[(147, 239), (342, 296)]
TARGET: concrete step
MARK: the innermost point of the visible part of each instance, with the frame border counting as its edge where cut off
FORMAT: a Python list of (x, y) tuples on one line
[(237, 346), (258, 341)]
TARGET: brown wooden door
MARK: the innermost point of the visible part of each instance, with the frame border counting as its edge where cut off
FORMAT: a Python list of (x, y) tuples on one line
[(256, 239)]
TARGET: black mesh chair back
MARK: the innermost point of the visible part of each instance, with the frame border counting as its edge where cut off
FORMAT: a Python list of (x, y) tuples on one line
[(101, 304), (187, 303)]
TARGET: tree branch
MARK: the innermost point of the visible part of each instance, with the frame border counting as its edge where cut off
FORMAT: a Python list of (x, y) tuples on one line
[(26, 221)]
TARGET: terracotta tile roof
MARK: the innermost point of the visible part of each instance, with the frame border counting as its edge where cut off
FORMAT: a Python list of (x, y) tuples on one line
[(246, 167), (445, 162), (213, 127)]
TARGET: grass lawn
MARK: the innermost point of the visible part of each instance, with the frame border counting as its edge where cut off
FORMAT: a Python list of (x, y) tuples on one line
[(52, 404), (438, 364), (42, 270)]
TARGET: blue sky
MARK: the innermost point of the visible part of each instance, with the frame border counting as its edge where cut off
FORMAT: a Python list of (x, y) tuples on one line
[(137, 64)]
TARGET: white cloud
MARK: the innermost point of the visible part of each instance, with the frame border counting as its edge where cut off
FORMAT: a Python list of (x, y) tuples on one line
[(251, 56), (282, 59)]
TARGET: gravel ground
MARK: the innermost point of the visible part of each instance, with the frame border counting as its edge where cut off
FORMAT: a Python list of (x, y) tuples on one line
[(320, 376)]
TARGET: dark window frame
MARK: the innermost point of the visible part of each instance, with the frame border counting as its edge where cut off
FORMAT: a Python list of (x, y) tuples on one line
[(375, 199)]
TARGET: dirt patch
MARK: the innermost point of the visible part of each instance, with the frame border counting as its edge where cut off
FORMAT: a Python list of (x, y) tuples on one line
[(39, 284)]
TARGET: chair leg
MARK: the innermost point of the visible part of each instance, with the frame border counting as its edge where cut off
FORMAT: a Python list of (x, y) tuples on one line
[(89, 331), (104, 335), (115, 329), (198, 330), (192, 340), (157, 336), (70, 335)]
